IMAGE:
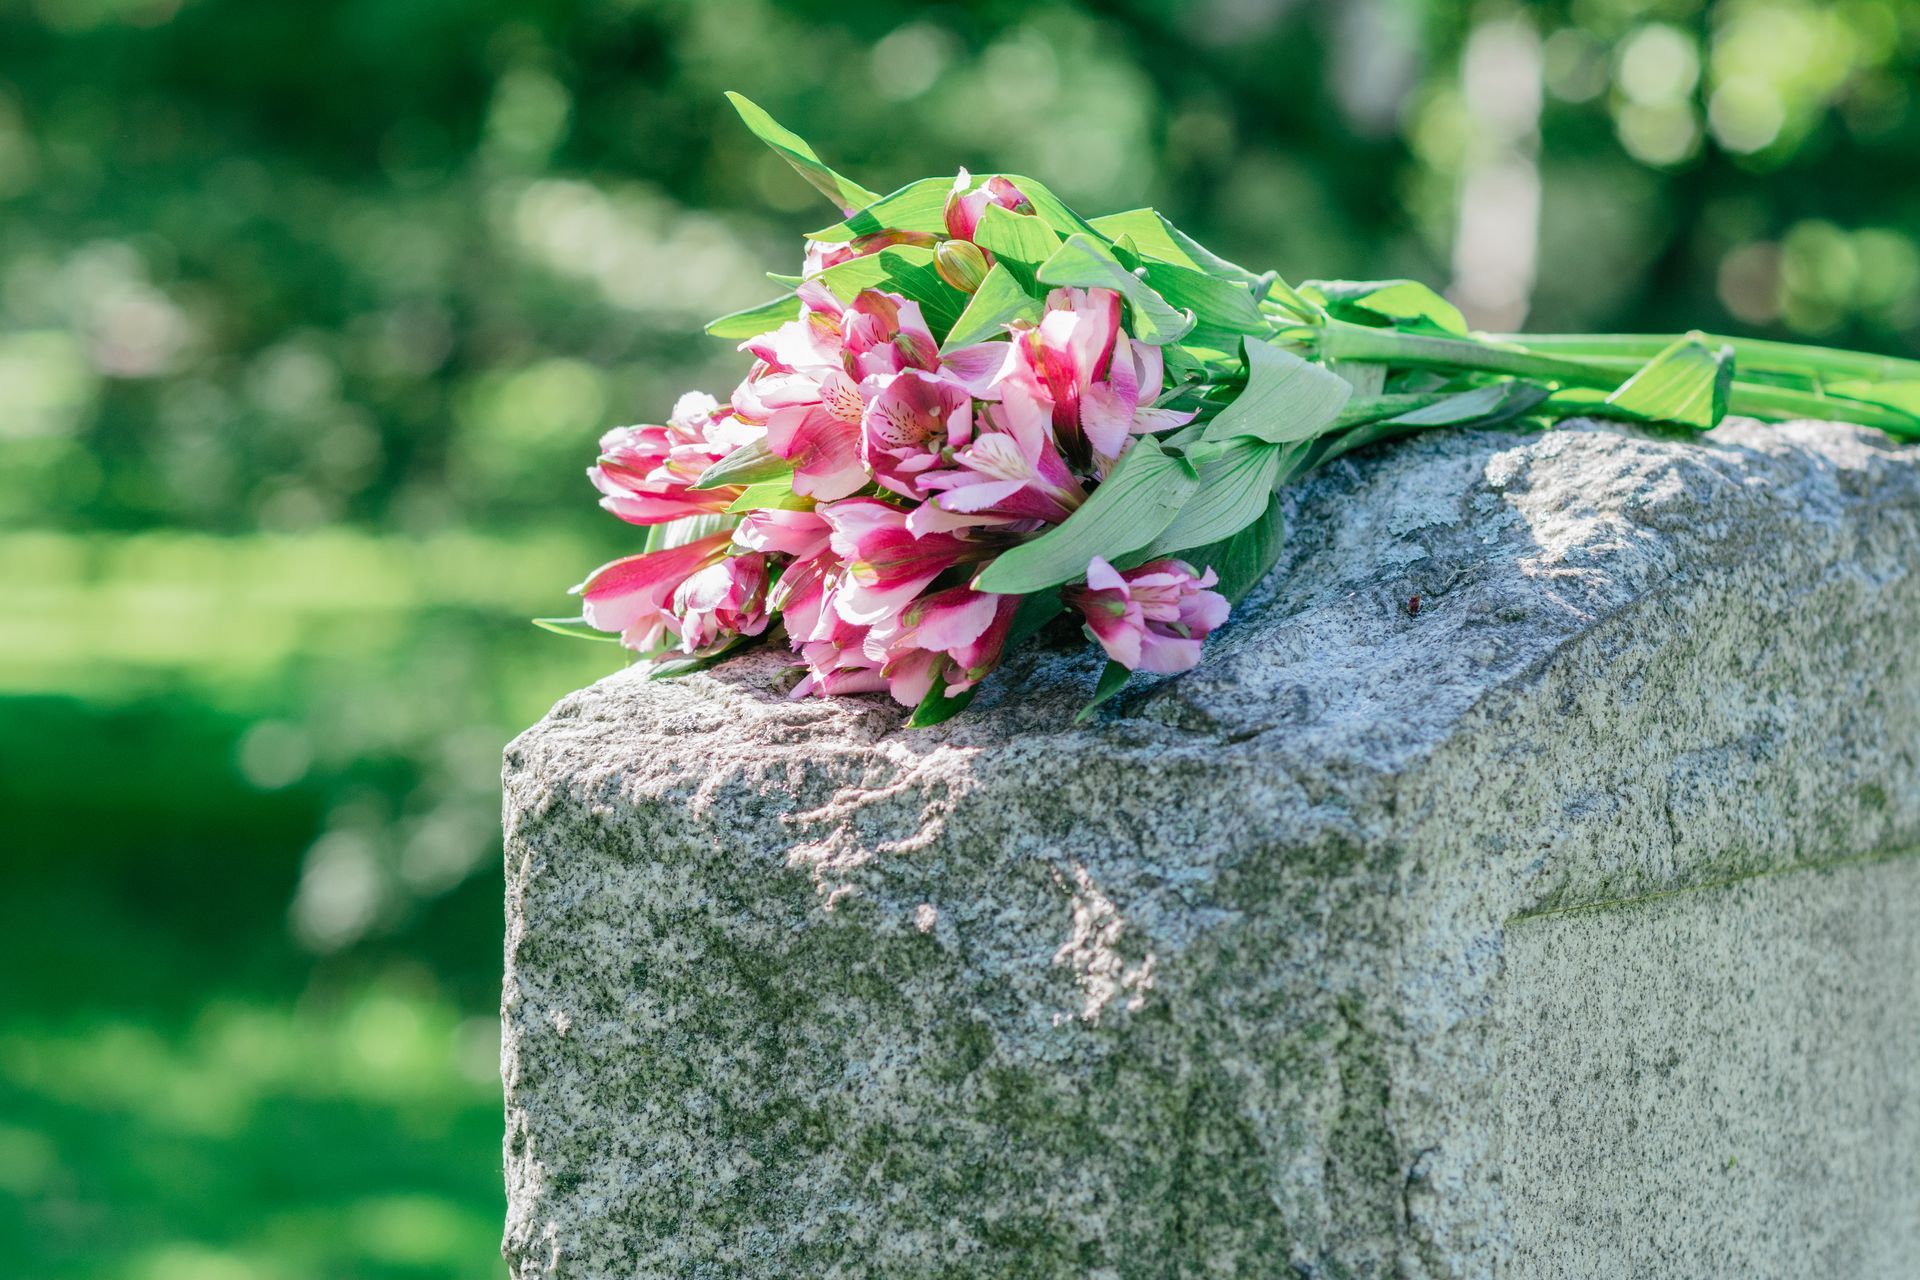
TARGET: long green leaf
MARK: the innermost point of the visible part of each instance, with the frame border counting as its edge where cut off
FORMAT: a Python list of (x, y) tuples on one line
[(770, 495), (1286, 399), (998, 302), (905, 269), (1113, 678), (1021, 241), (918, 206), (577, 628), (678, 533), (937, 706), (754, 321), (1495, 402), (1242, 560), (1052, 208), (1217, 303), (1084, 262), (1141, 497), (791, 147), (751, 463), (1687, 384), (1407, 303), (1233, 492)]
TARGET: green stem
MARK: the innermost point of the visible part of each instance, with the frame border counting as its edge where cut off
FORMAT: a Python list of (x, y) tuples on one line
[(1753, 354), (1340, 340), (1602, 362)]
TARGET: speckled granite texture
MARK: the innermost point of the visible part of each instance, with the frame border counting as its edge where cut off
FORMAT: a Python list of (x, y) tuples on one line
[(1564, 928)]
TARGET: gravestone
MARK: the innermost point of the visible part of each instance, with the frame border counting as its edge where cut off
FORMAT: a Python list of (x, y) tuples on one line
[(1566, 925)]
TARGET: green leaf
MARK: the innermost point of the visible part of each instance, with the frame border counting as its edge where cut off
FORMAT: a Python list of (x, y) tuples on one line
[(1286, 399), (1233, 492), (678, 533), (576, 628), (754, 321), (905, 269), (1141, 497), (1686, 384), (1033, 613), (672, 668), (1021, 241), (918, 206), (1084, 262), (771, 495), (751, 463), (937, 706), (1218, 304), (791, 147), (1245, 558), (1064, 221), (1113, 678), (998, 302), (1495, 402), (1407, 303)]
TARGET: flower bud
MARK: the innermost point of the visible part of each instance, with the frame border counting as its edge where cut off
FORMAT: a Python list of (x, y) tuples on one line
[(961, 264)]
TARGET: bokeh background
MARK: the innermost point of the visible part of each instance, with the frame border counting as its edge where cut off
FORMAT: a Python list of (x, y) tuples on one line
[(309, 317)]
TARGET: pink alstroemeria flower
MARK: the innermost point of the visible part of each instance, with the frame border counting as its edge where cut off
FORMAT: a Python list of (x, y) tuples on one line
[(964, 207), (721, 601), (644, 473), (954, 636), (1152, 618), (1010, 468), (801, 534), (634, 596), (910, 426), (887, 565), (1100, 382), (807, 390)]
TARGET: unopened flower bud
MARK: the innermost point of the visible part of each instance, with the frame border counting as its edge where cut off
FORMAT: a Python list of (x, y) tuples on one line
[(961, 264)]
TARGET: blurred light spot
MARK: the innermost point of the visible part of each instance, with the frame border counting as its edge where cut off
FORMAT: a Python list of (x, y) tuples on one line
[(476, 1050), (192, 1262), (1749, 283), (19, 158), (1496, 244), (1745, 115), (1658, 65), (1020, 64), (1229, 22), (48, 385), (274, 754), (1658, 135), (1376, 57), (341, 891), (416, 1232), (1574, 65), (908, 60), (27, 1160), (292, 379), (528, 116), (441, 849)]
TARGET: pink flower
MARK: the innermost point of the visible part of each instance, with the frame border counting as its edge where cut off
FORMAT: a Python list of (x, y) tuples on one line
[(721, 601), (1100, 382), (800, 534), (1010, 468), (634, 596), (964, 207), (811, 384), (645, 472), (887, 565), (1152, 618), (910, 426), (954, 636)]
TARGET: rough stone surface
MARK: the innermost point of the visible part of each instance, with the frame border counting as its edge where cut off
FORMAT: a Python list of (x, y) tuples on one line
[(1562, 928)]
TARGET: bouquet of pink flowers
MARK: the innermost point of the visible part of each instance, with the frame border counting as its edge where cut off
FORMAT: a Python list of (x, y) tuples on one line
[(975, 411)]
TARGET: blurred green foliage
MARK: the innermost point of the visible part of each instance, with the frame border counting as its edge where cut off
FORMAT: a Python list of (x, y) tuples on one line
[(310, 314)]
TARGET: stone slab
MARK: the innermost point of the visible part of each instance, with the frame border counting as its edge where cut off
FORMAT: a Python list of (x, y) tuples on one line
[(1284, 966)]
